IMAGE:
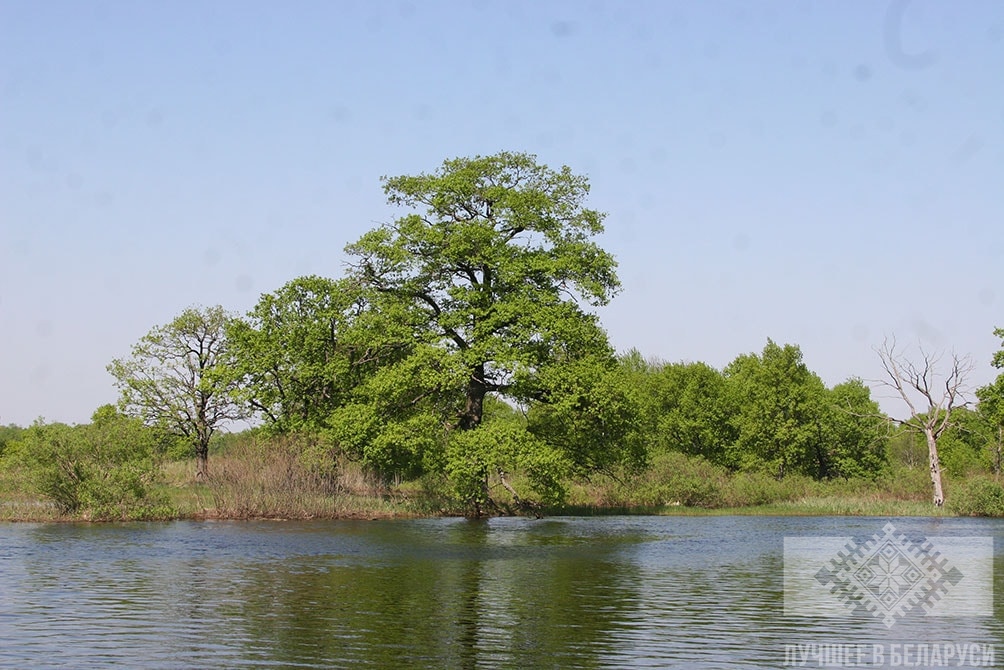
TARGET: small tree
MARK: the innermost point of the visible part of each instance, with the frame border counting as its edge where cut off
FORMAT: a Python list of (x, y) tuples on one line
[(170, 380), (918, 384)]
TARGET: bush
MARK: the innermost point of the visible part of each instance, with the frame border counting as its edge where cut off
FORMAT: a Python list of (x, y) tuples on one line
[(907, 483), (674, 478), (979, 496), (104, 470), (8, 434)]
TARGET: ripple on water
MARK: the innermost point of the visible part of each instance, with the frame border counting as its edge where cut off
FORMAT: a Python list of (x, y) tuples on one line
[(610, 592)]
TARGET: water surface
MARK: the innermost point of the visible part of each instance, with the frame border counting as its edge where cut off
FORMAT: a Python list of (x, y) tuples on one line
[(696, 592)]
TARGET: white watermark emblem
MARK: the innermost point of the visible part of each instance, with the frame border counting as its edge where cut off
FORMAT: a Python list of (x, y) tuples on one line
[(888, 576)]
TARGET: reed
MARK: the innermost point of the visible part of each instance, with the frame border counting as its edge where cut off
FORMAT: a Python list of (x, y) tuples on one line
[(285, 478)]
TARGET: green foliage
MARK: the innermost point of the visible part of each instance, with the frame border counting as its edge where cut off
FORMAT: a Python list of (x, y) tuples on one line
[(966, 446), (397, 418), (905, 448), (481, 287), (485, 457), (766, 413), (778, 406), (852, 441), (587, 410), (979, 496), (684, 408), (991, 409), (8, 434), (303, 349), (104, 469), (998, 359), (674, 478), (171, 380)]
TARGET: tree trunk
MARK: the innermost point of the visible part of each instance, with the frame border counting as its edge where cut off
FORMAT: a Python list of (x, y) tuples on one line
[(932, 453), (471, 419), (202, 462), (476, 391), (1000, 447)]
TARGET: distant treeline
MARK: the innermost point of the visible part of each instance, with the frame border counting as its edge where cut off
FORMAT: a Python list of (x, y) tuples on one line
[(460, 346)]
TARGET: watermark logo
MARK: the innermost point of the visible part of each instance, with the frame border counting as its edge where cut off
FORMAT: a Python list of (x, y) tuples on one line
[(896, 655), (888, 576)]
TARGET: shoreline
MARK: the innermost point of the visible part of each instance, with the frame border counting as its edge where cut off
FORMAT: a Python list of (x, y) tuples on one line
[(818, 507)]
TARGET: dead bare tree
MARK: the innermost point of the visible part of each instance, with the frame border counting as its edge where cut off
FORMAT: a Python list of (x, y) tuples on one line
[(917, 384)]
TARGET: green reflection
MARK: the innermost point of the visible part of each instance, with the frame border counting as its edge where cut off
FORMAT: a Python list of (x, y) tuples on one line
[(458, 594)]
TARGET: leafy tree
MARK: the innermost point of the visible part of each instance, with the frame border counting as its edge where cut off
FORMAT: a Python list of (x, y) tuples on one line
[(490, 274), (962, 448), (991, 407), (694, 411), (586, 411), (778, 407), (171, 379), (301, 350), (852, 443), (397, 420), (106, 467)]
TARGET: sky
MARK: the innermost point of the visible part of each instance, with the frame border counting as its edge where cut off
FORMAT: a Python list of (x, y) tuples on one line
[(826, 174)]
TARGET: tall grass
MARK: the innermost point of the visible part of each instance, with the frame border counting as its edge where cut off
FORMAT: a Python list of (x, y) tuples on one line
[(677, 482), (287, 478), (16, 504)]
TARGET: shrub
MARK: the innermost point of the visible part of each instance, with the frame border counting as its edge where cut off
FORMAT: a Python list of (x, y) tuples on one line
[(979, 496), (104, 469), (8, 434), (676, 479)]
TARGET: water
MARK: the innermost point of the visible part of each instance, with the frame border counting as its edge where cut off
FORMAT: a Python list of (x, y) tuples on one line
[(695, 592)]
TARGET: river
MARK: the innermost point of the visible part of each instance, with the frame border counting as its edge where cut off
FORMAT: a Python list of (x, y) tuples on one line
[(562, 592)]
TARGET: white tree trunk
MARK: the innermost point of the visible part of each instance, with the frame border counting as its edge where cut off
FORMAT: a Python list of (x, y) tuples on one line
[(932, 455), (916, 385)]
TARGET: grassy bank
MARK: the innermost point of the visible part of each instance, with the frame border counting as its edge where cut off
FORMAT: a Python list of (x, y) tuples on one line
[(255, 480)]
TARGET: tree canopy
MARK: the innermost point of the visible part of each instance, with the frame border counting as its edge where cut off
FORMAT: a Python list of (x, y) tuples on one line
[(765, 413), (492, 273), (991, 407)]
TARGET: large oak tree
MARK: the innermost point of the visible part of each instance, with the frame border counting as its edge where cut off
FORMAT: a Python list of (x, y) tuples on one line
[(494, 269)]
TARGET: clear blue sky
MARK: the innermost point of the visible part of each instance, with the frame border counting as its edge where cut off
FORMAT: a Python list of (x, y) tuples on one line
[(821, 173)]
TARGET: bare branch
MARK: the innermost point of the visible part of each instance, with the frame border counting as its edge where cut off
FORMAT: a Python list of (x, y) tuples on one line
[(914, 383)]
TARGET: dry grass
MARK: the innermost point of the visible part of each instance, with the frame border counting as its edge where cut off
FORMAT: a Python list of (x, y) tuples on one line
[(283, 478)]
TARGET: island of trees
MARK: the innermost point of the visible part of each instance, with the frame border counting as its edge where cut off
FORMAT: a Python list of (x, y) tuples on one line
[(457, 367)]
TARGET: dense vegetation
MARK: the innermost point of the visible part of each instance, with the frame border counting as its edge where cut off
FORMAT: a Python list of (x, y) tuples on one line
[(456, 367)]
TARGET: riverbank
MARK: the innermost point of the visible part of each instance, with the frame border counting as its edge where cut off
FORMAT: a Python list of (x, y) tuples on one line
[(233, 495), (276, 485), (373, 510)]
